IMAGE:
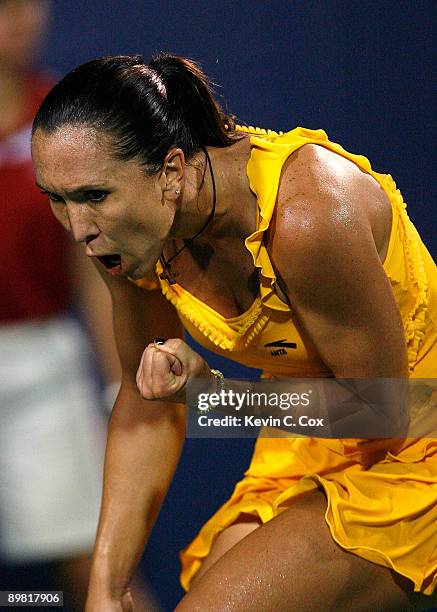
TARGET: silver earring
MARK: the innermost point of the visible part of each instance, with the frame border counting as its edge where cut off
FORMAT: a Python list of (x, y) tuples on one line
[(177, 191)]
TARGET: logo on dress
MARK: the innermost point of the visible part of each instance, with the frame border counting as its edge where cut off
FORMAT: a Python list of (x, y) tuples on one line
[(280, 346)]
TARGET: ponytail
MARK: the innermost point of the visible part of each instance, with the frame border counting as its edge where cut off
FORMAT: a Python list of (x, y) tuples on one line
[(147, 109), (191, 101)]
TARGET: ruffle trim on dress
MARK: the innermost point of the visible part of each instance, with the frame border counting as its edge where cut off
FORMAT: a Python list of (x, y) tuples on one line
[(185, 309), (250, 129), (414, 324), (261, 184), (233, 340)]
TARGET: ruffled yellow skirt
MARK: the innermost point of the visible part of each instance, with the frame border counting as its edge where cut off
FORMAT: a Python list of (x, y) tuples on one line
[(384, 511)]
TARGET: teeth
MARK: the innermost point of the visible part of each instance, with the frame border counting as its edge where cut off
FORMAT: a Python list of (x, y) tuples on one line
[(110, 261)]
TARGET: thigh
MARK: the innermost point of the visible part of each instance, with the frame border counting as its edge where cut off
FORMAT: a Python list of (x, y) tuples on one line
[(227, 539), (292, 563)]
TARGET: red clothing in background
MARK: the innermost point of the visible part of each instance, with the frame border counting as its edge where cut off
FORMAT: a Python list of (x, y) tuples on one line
[(33, 254)]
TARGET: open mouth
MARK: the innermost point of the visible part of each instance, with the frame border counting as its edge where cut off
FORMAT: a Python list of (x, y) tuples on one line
[(110, 261)]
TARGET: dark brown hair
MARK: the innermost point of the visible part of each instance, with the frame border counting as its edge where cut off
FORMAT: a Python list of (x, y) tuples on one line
[(146, 108)]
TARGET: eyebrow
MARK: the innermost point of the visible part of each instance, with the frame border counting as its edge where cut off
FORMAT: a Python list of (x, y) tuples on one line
[(77, 190)]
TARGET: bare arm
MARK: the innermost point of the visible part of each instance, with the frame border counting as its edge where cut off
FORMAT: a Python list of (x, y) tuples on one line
[(325, 251), (144, 443), (94, 300)]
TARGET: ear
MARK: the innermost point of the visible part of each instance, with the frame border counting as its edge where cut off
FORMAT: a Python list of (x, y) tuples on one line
[(172, 174)]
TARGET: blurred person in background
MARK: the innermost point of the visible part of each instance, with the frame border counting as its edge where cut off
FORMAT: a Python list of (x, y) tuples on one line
[(51, 435)]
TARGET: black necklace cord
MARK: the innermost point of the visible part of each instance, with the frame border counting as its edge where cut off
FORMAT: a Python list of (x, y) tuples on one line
[(166, 273)]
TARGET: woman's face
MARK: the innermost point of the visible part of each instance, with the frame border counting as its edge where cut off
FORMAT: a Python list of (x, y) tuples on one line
[(108, 204)]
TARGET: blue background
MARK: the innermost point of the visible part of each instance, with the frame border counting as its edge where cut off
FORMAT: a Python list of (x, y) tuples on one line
[(359, 70)]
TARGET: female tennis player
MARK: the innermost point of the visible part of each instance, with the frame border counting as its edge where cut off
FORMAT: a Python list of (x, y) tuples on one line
[(247, 238)]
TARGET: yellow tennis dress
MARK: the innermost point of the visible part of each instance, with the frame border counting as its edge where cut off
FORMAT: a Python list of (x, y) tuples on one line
[(385, 512)]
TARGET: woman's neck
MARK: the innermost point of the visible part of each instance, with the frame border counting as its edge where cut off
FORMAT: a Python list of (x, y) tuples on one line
[(235, 209)]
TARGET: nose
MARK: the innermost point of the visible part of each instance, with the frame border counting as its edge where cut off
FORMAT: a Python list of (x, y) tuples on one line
[(82, 228)]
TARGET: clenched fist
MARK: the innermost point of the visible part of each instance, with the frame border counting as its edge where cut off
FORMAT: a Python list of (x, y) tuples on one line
[(166, 368)]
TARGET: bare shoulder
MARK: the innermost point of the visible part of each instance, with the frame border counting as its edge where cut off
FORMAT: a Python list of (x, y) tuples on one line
[(324, 247), (322, 194)]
